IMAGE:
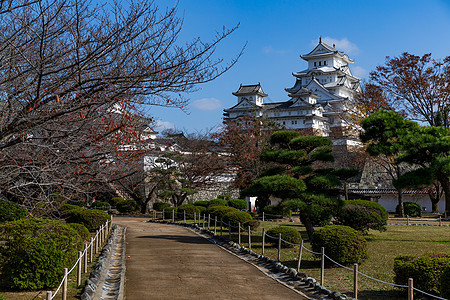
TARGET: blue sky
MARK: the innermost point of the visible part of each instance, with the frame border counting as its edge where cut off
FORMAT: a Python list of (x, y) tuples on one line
[(277, 32)]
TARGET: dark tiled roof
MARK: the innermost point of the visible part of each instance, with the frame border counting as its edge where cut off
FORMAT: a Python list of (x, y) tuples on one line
[(250, 89), (384, 191)]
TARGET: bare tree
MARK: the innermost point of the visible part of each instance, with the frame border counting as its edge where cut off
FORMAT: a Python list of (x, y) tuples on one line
[(73, 78)]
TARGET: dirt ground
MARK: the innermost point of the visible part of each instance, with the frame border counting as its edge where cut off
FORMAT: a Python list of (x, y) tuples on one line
[(171, 262)]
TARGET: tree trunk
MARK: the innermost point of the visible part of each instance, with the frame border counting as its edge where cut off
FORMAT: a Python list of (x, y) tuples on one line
[(401, 210), (345, 190), (307, 223), (445, 183)]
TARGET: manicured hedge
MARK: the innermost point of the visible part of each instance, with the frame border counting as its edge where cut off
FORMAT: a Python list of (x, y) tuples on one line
[(362, 215), (445, 283), (10, 211), (240, 204), (245, 219), (411, 209), (219, 210), (101, 205), (189, 209), (91, 218), (288, 234), (343, 244), (126, 206), (217, 201), (159, 206), (203, 203), (36, 251), (168, 212), (81, 230), (114, 200), (426, 270)]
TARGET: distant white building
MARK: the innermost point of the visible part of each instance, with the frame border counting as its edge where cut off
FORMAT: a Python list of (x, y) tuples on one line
[(320, 93)]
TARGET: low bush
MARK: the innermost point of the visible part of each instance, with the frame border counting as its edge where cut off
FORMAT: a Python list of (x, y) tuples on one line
[(10, 211), (426, 270), (245, 219), (445, 283), (288, 234), (362, 215), (201, 209), (114, 200), (217, 201), (126, 206), (240, 204), (203, 203), (320, 215), (342, 244), (101, 205), (276, 211), (35, 252), (168, 212), (411, 209), (91, 218), (219, 210), (65, 208), (79, 203), (190, 209), (81, 230), (159, 206)]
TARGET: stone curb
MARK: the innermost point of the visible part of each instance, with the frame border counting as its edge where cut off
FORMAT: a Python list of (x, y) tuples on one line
[(100, 268), (299, 280)]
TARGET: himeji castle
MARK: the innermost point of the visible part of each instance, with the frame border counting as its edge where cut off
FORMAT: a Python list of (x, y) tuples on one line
[(320, 95)]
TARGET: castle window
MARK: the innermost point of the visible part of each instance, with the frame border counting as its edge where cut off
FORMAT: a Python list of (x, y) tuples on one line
[(315, 64), (325, 63), (320, 63)]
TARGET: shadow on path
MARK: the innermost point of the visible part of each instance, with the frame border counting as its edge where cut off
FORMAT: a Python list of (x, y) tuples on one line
[(178, 238)]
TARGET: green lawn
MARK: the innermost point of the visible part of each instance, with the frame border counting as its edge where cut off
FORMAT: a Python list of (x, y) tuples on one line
[(383, 247)]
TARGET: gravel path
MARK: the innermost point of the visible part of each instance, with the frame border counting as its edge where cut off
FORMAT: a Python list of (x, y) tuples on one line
[(171, 262)]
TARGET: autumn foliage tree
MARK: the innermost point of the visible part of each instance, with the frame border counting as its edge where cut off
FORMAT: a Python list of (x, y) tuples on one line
[(74, 77)]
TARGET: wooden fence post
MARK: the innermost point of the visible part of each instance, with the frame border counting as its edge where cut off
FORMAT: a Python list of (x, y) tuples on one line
[(407, 220), (249, 238), (79, 268), (300, 256), (164, 210), (263, 240), (204, 219), (195, 217), (355, 281), (279, 246), (64, 286), (173, 215), (49, 295), (209, 221), (229, 230), (85, 258), (184, 216), (322, 266), (263, 216), (410, 289), (215, 225), (239, 233), (221, 226), (91, 250), (440, 220)]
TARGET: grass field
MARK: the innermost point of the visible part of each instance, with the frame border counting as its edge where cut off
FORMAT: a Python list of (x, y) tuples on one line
[(383, 247)]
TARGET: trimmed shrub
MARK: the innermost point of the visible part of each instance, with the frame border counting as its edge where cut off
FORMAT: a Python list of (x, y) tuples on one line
[(114, 200), (189, 209), (201, 209), (426, 270), (275, 211), (68, 207), (202, 203), (36, 251), (159, 206), (168, 212), (218, 201), (320, 215), (411, 209), (78, 203), (10, 211), (126, 206), (81, 230), (362, 215), (445, 283), (235, 217), (342, 244), (240, 204), (101, 205), (91, 218), (288, 234), (220, 210)]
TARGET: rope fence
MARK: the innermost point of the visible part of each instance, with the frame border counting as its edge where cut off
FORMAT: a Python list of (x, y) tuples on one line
[(85, 256), (410, 288)]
